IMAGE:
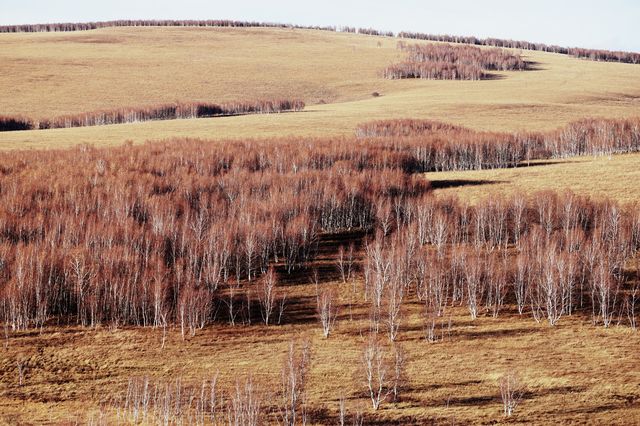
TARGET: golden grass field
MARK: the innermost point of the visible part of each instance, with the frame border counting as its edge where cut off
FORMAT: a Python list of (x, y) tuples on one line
[(115, 67), (575, 373)]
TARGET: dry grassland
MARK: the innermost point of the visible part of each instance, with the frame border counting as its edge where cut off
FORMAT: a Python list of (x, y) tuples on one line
[(114, 67), (574, 372)]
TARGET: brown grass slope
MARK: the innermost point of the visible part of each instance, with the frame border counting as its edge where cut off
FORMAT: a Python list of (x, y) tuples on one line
[(575, 373), (110, 68)]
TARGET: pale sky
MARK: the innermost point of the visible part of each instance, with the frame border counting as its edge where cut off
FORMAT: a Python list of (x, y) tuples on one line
[(610, 24)]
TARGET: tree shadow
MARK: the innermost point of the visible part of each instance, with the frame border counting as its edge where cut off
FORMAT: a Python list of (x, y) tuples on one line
[(475, 401), (489, 76), (456, 183), (534, 66), (485, 334), (524, 164)]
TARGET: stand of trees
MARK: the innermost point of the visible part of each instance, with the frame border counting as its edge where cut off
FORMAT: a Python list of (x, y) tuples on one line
[(8, 124), (425, 145), (172, 111), (450, 62), (170, 232), (174, 232), (551, 255)]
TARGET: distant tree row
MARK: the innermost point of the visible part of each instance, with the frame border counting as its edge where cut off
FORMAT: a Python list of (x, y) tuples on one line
[(451, 62), (404, 127), (606, 55), (156, 112), (592, 54), (84, 26), (374, 32), (511, 44)]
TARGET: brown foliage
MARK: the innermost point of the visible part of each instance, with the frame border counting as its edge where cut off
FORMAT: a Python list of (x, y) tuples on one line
[(426, 145), (569, 258), (166, 232), (451, 62), (170, 232)]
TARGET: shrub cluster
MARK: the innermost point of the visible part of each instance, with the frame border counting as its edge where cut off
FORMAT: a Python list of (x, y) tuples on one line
[(8, 124)]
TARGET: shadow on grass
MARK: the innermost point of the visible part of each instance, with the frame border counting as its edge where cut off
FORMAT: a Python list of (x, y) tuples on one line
[(457, 183), (486, 334), (534, 66), (524, 164)]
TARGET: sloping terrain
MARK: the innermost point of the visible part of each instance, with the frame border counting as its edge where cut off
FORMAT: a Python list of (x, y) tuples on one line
[(334, 73), (82, 359)]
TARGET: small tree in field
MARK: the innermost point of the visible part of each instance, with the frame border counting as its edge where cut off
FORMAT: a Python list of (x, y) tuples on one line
[(326, 305), (511, 392), (377, 371), (295, 373), (267, 295), (394, 296), (327, 309), (606, 289), (344, 262), (399, 374)]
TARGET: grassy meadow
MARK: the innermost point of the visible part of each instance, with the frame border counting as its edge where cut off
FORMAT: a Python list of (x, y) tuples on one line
[(334, 73), (574, 372)]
